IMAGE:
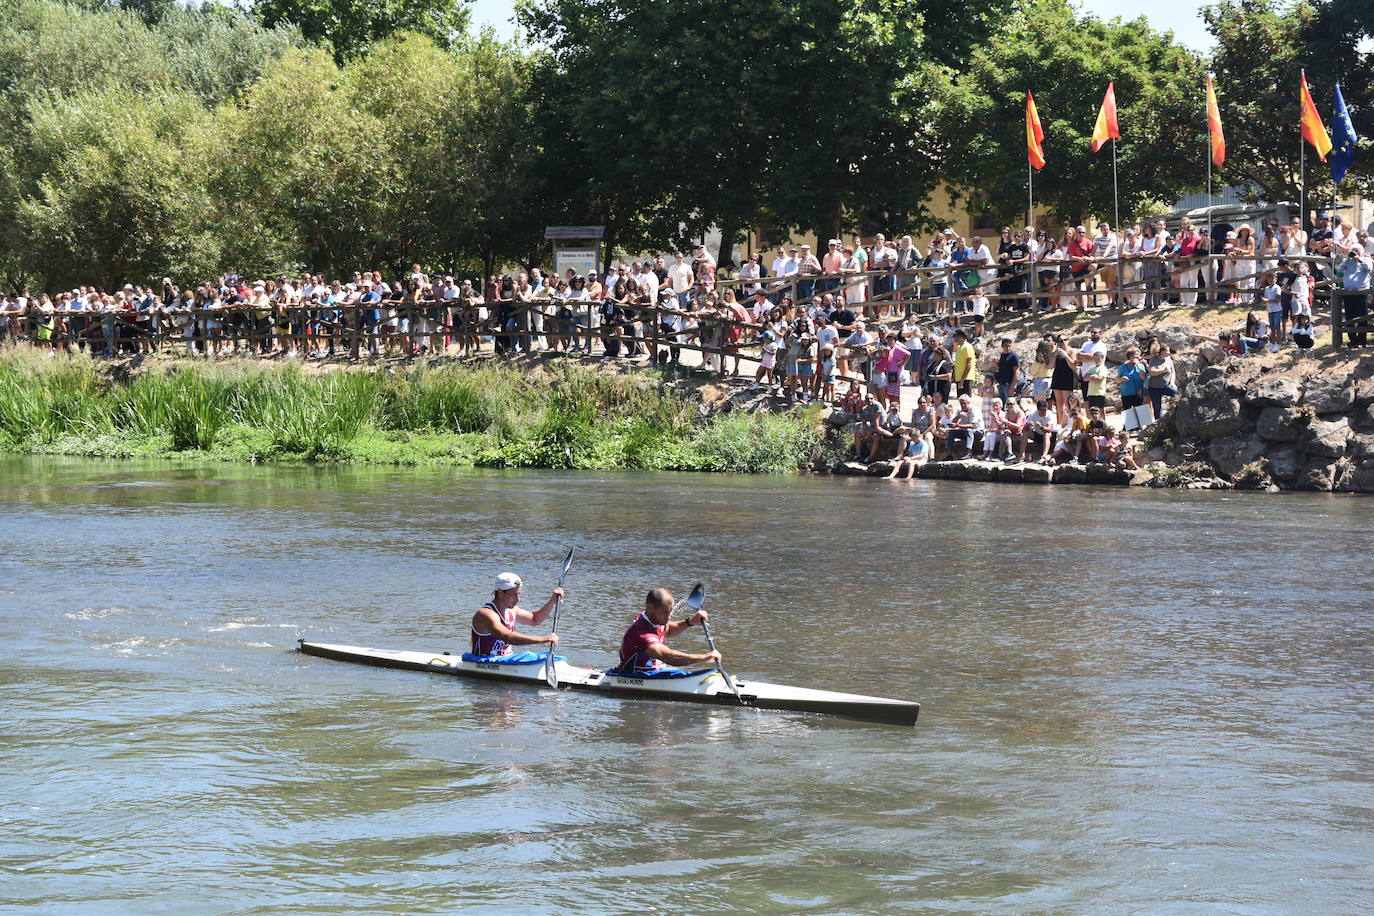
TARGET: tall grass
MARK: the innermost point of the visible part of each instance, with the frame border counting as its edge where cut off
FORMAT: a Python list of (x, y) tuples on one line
[(571, 418)]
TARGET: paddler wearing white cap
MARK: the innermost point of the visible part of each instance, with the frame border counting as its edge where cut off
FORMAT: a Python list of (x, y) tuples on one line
[(493, 625)]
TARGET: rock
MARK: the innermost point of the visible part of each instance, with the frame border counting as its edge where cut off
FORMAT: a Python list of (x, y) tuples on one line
[(1326, 439), (955, 470), (1207, 411), (1211, 374), (1284, 463), (1360, 446), (1008, 473), (1219, 485), (1070, 473), (1141, 478), (839, 418), (851, 469), (1176, 336), (1328, 394), (1278, 391), (1231, 453), (980, 471), (1318, 474), (1364, 391), (1117, 345), (1364, 419), (1345, 477), (1156, 452), (1037, 473), (931, 470), (1214, 354), (1106, 475), (880, 469), (1363, 478), (1276, 424)]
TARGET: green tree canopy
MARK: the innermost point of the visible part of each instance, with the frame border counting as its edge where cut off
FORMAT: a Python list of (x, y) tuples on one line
[(1259, 104), (667, 118), (115, 193), (1066, 60), (350, 26)]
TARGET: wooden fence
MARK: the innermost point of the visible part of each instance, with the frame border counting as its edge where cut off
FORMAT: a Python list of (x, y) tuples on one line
[(665, 328)]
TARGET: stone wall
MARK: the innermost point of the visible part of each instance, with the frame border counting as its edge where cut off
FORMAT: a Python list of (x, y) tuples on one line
[(1300, 428)]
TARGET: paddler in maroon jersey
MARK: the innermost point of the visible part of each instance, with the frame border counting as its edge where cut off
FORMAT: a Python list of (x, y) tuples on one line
[(644, 649)]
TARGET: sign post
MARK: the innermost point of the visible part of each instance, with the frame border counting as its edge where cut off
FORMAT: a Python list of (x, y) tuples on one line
[(570, 248)]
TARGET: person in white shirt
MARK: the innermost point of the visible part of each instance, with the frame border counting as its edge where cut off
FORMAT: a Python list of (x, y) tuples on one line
[(980, 256), (979, 303), (748, 271), (1104, 252), (680, 279), (779, 261)]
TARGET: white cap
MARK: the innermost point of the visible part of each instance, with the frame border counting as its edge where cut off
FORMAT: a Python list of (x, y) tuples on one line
[(507, 580)]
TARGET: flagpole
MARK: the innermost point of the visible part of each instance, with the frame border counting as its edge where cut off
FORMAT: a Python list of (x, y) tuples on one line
[(1302, 182), (1116, 204), (1208, 146), (1030, 196), (1302, 166)]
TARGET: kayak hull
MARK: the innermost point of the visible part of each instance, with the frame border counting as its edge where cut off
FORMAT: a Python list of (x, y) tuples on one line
[(708, 686)]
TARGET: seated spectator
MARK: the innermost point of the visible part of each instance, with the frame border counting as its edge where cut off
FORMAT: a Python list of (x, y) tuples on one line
[(1303, 334), (1011, 433), (992, 426), (1039, 433), (918, 452), (1120, 452), (964, 430), (887, 427), (864, 427)]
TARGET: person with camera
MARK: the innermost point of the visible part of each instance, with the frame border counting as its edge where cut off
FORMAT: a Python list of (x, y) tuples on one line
[(1355, 281)]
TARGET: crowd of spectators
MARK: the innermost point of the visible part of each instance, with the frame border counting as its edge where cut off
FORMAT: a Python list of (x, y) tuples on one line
[(1277, 269)]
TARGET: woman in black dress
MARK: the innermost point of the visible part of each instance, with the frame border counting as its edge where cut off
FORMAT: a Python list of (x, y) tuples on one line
[(1063, 380)]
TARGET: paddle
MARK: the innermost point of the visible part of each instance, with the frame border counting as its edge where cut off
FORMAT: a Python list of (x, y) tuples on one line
[(694, 601), (550, 674)]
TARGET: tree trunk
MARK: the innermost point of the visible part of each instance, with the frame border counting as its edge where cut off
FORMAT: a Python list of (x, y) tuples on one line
[(727, 244), (828, 226)]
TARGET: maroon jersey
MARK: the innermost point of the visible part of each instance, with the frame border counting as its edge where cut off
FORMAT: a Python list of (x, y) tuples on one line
[(486, 644), (642, 634)]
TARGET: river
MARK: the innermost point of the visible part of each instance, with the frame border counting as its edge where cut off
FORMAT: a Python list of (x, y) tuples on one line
[(1133, 701)]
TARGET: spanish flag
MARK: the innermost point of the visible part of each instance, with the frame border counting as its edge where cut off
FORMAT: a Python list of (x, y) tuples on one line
[(1312, 130), (1035, 134), (1106, 128), (1214, 126)]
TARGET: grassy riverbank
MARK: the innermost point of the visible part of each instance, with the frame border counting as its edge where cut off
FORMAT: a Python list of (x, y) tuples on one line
[(451, 414)]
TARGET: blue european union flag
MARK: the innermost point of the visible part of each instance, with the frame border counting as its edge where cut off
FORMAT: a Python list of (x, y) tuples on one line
[(1343, 139)]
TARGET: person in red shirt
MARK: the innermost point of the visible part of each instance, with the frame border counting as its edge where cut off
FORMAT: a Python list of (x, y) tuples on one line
[(1080, 252), (644, 648), (493, 626)]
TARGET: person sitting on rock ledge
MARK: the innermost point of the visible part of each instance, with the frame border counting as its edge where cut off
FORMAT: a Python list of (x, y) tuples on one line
[(864, 425), (1039, 433), (887, 427), (964, 428)]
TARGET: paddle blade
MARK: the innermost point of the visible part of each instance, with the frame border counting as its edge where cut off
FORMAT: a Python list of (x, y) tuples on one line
[(697, 598), (567, 562), (550, 672)]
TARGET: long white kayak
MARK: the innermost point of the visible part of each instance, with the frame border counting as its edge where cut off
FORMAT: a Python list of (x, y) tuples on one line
[(706, 686)]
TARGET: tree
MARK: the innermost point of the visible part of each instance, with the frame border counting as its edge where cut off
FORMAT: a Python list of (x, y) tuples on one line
[(350, 26), (786, 112), (1066, 60), (302, 181), (1259, 105), (114, 197)]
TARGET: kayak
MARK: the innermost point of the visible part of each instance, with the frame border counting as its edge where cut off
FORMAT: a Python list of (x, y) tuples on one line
[(706, 686)]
